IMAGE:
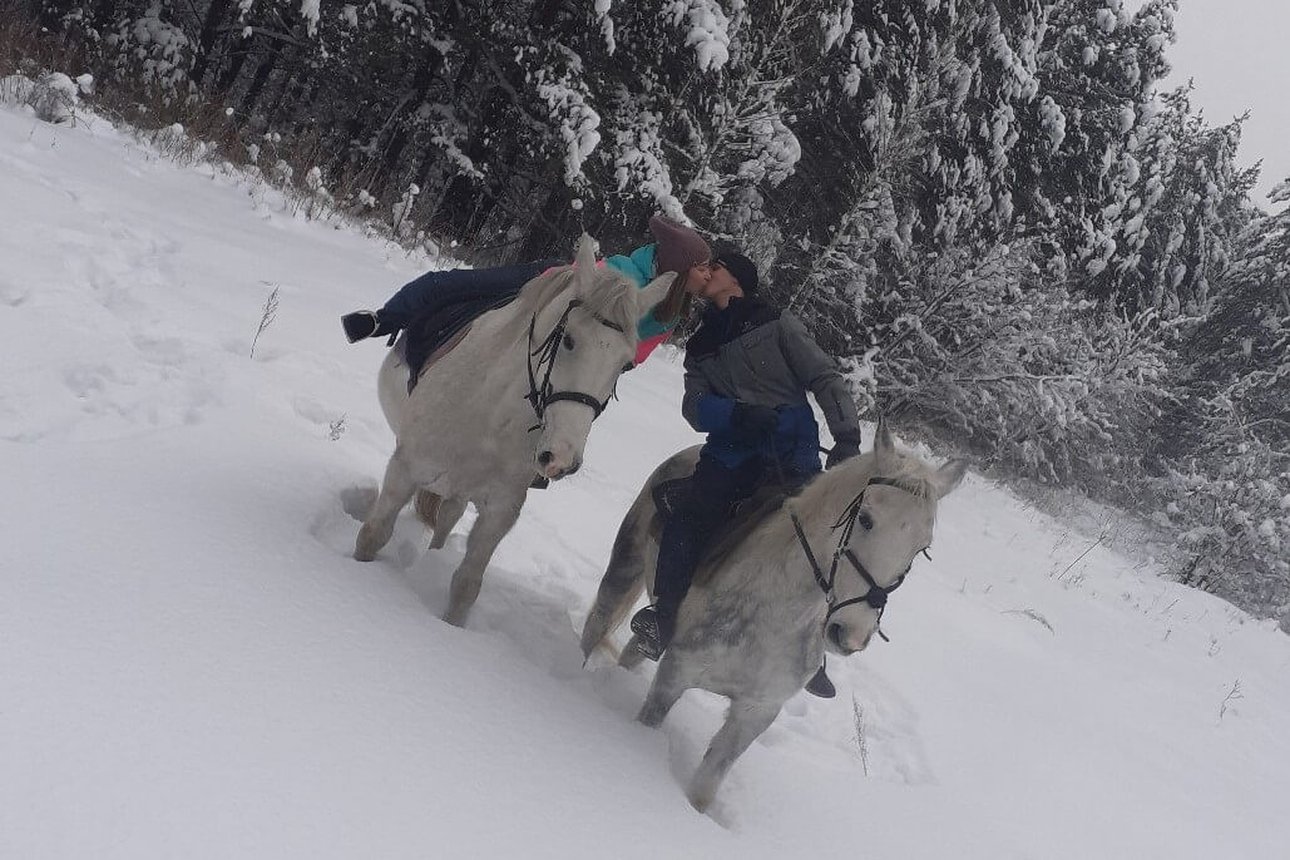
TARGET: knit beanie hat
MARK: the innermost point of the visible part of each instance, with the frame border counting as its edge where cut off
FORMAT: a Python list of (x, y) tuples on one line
[(679, 246), (741, 268)]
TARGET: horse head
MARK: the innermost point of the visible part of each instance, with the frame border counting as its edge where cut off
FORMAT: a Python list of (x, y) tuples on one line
[(887, 523), (589, 339)]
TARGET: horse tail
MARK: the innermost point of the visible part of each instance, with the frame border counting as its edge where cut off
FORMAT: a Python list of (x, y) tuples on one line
[(426, 505), (624, 578)]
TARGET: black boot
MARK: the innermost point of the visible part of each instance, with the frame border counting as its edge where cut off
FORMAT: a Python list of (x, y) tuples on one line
[(364, 324), (653, 631), (821, 686)]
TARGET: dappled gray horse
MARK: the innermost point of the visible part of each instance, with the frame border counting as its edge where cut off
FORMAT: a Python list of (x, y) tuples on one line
[(513, 399), (795, 577)]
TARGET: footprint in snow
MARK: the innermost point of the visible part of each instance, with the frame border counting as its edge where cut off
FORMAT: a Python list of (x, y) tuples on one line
[(358, 500), (12, 295)]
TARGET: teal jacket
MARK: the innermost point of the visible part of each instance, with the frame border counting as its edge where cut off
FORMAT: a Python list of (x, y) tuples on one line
[(639, 266)]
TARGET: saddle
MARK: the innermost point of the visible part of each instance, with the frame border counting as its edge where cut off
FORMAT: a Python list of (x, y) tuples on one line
[(670, 496)]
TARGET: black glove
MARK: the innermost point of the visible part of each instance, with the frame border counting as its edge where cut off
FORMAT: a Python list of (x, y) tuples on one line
[(843, 449), (359, 325), (752, 424)]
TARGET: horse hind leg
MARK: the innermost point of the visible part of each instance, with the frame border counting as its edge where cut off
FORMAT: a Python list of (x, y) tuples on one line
[(631, 656), (396, 489), (745, 721), (450, 511)]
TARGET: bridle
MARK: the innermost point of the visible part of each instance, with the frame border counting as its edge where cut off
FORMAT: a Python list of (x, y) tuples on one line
[(876, 595), (541, 395)]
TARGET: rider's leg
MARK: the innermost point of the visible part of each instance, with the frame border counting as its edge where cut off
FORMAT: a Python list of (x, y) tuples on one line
[(436, 290), (712, 492)]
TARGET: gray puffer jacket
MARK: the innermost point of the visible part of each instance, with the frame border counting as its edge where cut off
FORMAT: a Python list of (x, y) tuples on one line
[(754, 353)]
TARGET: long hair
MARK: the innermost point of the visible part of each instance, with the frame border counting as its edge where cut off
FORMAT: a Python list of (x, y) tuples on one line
[(676, 304)]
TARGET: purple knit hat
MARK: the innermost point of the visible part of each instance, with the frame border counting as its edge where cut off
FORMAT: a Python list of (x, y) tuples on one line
[(679, 246)]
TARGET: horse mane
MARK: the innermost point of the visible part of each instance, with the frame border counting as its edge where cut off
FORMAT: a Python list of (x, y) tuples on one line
[(838, 486), (612, 298)]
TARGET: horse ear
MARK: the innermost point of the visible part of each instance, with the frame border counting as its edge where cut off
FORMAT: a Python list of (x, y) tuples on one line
[(883, 443), (585, 261), (654, 292), (947, 477)]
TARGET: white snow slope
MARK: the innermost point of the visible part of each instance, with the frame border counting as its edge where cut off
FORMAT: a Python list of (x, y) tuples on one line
[(191, 666)]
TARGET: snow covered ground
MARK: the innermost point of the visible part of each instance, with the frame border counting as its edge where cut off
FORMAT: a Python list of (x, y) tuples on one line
[(192, 666)]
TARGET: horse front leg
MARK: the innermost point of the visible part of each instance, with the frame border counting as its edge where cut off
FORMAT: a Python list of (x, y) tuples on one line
[(492, 524), (396, 489), (745, 720)]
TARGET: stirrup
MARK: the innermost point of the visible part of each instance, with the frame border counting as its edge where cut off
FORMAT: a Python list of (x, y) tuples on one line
[(820, 685)]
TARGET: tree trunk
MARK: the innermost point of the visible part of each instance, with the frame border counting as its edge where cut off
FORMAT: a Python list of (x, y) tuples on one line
[(425, 76), (215, 15), (237, 61), (251, 98)]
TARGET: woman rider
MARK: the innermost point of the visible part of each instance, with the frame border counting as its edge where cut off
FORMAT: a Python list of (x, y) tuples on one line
[(462, 294)]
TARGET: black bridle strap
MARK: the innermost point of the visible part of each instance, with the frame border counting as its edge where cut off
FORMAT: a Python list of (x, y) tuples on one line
[(541, 396), (876, 595), (577, 397), (826, 585)]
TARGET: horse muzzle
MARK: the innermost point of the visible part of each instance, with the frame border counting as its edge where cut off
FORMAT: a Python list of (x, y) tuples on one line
[(554, 468), (839, 637)]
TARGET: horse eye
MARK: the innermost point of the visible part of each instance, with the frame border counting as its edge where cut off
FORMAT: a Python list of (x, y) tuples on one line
[(568, 341), (864, 521)]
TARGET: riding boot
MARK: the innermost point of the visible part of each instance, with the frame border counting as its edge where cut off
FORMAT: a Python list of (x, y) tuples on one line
[(654, 627), (820, 685), (360, 325)]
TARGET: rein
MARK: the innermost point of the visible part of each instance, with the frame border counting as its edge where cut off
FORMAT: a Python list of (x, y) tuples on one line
[(541, 395), (876, 595)]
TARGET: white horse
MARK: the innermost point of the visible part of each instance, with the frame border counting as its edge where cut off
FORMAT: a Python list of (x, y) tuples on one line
[(514, 399), (796, 576)]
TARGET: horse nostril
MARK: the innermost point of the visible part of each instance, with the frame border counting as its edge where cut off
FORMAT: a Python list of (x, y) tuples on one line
[(834, 633), (545, 458)]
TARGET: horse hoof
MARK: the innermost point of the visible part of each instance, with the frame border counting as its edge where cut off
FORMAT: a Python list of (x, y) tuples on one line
[(700, 803), (366, 546), (650, 719)]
